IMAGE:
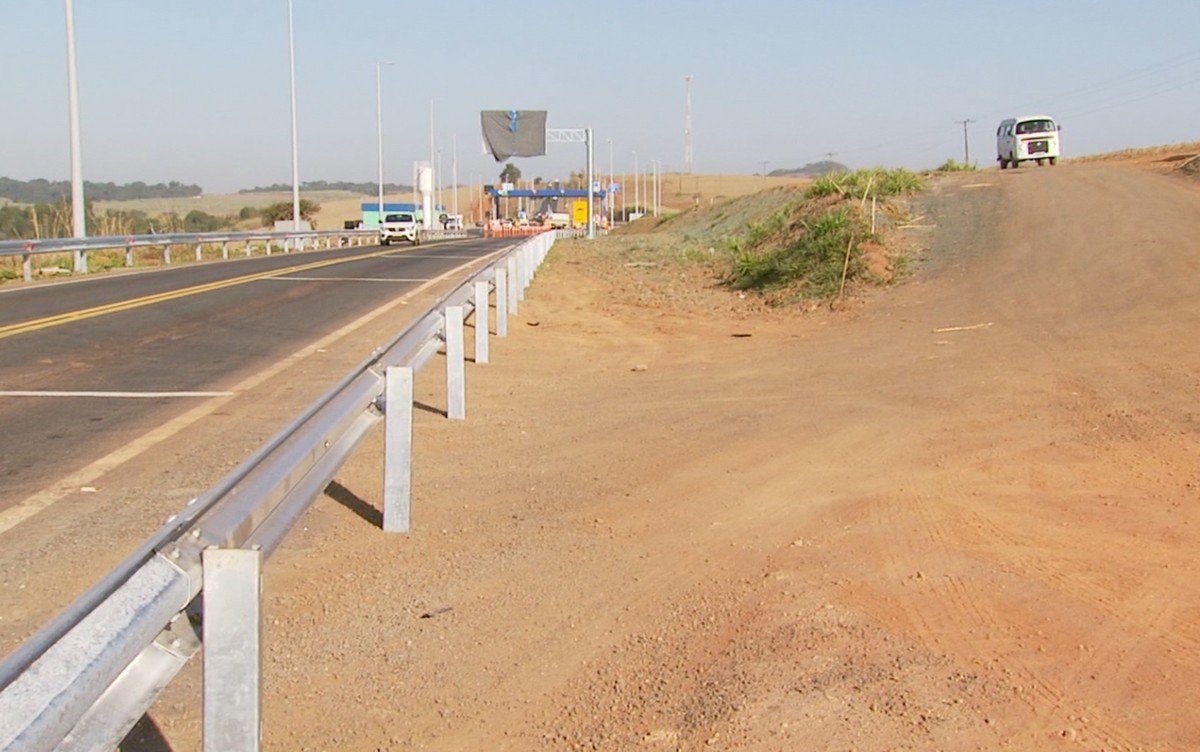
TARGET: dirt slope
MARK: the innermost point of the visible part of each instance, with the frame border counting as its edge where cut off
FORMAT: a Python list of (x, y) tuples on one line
[(961, 516)]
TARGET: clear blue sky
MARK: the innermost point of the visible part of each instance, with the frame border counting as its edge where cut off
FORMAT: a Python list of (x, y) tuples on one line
[(198, 91)]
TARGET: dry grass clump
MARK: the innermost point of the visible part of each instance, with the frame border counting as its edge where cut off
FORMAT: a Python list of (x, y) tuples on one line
[(775, 248)]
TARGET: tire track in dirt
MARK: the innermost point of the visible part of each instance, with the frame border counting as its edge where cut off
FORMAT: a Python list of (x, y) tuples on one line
[(1112, 654)]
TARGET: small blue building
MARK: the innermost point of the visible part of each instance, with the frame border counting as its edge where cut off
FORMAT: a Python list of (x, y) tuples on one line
[(370, 211)]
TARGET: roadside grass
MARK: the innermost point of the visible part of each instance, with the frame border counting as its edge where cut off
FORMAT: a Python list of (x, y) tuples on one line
[(788, 245), (953, 165), (832, 238)]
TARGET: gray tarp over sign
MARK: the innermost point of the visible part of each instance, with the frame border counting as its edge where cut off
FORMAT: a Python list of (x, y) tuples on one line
[(515, 133)]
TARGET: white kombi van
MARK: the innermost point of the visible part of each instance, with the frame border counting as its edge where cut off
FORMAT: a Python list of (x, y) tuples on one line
[(1031, 137)]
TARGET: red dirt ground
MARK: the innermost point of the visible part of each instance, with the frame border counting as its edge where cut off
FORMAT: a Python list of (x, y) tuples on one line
[(962, 515)]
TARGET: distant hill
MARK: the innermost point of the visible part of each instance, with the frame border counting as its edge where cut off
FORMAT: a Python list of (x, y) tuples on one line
[(365, 189), (810, 170), (42, 191)]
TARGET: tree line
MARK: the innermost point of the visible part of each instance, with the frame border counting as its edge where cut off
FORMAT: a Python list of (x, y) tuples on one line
[(42, 191), (53, 220), (365, 189)]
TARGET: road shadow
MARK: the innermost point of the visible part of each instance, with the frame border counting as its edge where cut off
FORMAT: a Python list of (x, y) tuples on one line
[(354, 503), (145, 736)]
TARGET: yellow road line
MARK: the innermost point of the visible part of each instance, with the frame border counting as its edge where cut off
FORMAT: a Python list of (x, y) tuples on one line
[(126, 305), (90, 474)]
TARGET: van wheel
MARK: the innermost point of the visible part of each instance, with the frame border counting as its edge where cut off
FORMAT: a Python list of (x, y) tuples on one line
[(1003, 163), (1041, 162), (1053, 161), (1015, 164)]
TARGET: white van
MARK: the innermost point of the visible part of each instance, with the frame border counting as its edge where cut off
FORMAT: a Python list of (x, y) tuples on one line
[(1031, 137)]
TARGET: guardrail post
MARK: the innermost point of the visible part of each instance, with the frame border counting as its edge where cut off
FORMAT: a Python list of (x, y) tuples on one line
[(199, 250), (81, 266), (456, 381), (247, 247), (513, 284), (129, 253), (27, 266), (232, 649), (481, 322), (501, 302), (522, 277), (269, 244), (167, 254), (225, 249), (397, 449)]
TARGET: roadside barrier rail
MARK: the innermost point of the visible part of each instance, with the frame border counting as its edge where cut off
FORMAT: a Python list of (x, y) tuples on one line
[(80, 247), (83, 680), (286, 241)]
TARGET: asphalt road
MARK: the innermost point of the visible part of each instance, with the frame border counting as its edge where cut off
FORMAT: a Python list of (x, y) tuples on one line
[(86, 364)]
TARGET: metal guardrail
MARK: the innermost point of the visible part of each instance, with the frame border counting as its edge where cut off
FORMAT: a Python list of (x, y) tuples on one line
[(85, 678), (287, 241), (79, 247)]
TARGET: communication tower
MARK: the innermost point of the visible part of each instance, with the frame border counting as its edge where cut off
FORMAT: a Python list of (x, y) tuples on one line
[(687, 126)]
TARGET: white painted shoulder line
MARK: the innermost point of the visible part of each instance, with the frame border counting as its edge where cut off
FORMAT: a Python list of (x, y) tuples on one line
[(346, 279), (121, 395)]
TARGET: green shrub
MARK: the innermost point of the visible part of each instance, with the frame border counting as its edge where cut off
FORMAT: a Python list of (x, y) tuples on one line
[(813, 261), (283, 210), (953, 165)]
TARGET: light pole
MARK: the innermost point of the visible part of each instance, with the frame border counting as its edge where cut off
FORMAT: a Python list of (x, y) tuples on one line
[(427, 220), (611, 182), (78, 224), (636, 193), (379, 126), (295, 158), (654, 184)]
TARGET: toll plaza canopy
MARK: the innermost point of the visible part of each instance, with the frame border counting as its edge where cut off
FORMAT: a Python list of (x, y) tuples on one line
[(492, 190)]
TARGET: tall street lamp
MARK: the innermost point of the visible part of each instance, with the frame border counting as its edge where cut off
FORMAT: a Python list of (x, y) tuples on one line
[(454, 174), (295, 158), (379, 125), (636, 194), (611, 181), (78, 224)]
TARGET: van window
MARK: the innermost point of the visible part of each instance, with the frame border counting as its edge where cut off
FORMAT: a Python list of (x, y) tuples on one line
[(1036, 126)]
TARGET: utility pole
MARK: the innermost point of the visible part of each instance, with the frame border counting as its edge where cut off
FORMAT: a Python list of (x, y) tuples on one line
[(687, 126), (764, 170), (966, 144)]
